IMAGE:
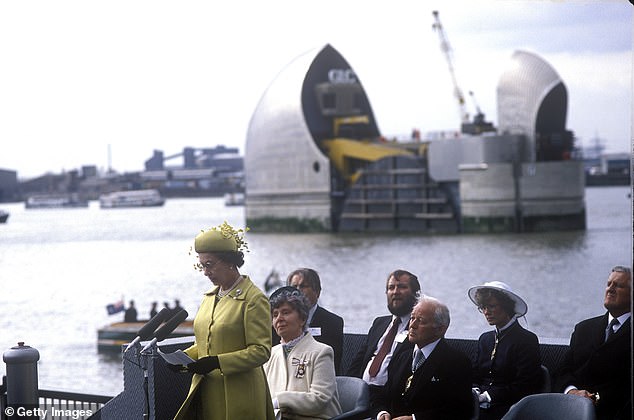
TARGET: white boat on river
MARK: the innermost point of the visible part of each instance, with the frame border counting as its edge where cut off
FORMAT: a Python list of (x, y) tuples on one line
[(137, 198)]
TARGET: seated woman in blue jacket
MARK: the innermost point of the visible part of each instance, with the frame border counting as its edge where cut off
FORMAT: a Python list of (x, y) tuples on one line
[(508, 365)]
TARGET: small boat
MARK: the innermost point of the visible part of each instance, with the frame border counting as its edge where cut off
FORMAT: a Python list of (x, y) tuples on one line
[(136, 198), (54, 201), (3, 216), (113, 336), (234, 199)]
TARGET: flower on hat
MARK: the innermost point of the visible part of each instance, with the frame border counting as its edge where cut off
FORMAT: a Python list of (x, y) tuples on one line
[(228, 231), (220, 238)]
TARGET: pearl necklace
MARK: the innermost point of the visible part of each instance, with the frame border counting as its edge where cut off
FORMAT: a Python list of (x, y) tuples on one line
[(222, 293)]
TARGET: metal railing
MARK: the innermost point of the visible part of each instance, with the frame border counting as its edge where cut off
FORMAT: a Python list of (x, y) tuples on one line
[(61, 401)]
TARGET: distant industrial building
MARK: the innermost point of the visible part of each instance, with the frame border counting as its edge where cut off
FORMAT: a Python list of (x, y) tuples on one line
[(9, 187), (204, 171)]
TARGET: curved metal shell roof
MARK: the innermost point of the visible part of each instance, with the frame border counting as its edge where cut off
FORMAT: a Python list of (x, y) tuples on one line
[(521, 92), (287, 174)]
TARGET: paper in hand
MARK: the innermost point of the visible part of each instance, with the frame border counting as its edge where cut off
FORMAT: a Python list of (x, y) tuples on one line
[(176, 358)]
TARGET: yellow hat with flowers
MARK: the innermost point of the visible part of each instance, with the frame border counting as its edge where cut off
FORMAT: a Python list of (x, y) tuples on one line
[(223, 238)]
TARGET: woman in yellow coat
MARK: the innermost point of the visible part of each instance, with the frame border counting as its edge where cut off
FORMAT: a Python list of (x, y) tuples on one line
[(233, 336)]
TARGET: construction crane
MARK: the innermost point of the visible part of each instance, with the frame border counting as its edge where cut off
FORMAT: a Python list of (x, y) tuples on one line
[(446, 49), (478, 125), (479, 116)]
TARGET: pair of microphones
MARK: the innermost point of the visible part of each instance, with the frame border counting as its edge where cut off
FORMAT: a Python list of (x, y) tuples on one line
[(150, 330)]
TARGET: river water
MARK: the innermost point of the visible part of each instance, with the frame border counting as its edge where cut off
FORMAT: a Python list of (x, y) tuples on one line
[(60, 268)]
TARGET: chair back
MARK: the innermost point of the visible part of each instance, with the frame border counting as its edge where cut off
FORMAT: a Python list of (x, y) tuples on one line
[(354, 398), (551, 407)]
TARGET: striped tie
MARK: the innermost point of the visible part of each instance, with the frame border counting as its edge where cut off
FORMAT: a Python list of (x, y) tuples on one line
[(611, 326), (419, 359)]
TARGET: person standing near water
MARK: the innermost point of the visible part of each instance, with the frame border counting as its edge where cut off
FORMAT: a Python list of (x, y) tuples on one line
[(232, 336)]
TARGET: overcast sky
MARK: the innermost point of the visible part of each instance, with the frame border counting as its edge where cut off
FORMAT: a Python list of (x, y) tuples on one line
[(78, 76)]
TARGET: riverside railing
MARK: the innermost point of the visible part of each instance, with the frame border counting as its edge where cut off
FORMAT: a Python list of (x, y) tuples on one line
[(60, 401), (71, 401)]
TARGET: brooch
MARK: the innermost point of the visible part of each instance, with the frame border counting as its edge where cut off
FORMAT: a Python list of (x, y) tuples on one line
[(301, 367), (408, 383)]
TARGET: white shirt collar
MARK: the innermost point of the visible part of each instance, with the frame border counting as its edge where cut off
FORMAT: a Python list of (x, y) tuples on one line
[(311, 312), (427, 349), (508, 324), (621, 319)]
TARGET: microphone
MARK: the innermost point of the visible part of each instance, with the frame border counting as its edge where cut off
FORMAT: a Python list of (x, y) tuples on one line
[(165, 329), (147, 330)]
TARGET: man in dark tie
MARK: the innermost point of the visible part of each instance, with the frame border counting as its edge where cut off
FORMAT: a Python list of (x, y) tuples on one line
[(430, 379), (388, 333), (598, 363), (325, 326)]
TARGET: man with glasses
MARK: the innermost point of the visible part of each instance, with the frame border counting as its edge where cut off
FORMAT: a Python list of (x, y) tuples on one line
[(325, 326), (598, 364), (387, 335), (430, 379)]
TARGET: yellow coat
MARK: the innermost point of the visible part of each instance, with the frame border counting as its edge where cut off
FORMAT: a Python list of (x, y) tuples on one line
[(238, 330)]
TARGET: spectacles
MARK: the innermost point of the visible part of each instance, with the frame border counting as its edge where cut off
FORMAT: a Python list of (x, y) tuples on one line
[(488, 308), (208, 265)]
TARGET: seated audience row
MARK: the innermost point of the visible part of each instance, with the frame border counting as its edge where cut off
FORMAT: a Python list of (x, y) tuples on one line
[(411, 371)]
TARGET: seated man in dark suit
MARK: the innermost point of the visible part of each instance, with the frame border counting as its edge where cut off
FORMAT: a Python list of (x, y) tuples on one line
[(323, 325), (598, 363), (387, 334), (431, 379)]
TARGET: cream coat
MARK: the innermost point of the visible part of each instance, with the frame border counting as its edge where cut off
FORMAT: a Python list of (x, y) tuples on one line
[(238, 330), (311, 395)]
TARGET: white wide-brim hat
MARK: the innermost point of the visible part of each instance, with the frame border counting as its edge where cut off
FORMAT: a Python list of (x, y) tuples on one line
[(520, 306)]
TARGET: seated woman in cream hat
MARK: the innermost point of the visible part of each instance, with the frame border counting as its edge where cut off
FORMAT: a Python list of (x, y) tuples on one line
[(508, 364), (233, 335)]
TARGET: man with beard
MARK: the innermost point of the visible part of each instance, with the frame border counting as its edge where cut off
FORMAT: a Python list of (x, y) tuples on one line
[(387, 335)]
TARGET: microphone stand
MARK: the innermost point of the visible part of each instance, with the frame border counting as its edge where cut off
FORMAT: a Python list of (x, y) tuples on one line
[(145, 358)]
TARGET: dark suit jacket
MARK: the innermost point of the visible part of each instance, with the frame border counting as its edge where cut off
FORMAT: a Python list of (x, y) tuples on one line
[(515, 371), (598, 366), (440, 388), (367, 349), (331, 332)]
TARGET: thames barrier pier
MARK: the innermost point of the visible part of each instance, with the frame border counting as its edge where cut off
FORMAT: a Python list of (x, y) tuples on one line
[(316, 161)]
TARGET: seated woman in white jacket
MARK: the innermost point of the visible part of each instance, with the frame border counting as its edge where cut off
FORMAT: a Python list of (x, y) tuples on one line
[(301, 371)]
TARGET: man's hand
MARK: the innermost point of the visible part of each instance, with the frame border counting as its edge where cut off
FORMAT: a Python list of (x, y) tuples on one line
[(585, 394)]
